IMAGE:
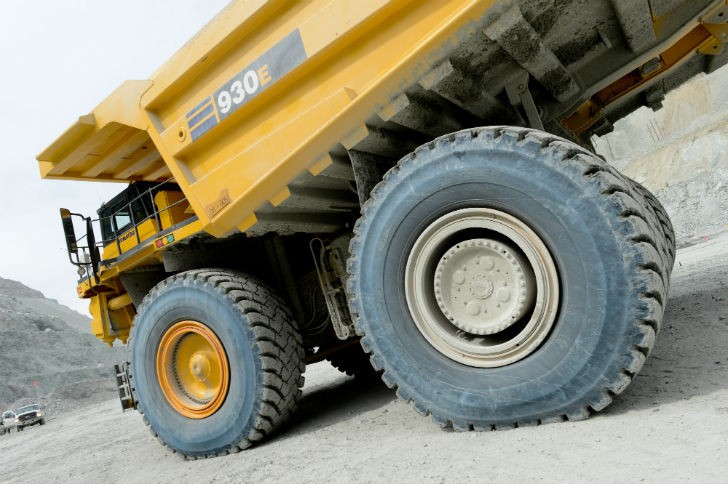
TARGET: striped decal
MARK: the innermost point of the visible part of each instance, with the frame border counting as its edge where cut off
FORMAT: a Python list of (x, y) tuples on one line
[(202, 118), (275, 63)]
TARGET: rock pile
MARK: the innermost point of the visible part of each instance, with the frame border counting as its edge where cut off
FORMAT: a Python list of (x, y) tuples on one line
[(48, 354)]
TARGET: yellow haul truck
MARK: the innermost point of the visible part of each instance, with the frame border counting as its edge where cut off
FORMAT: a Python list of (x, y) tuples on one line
[(399, 187)]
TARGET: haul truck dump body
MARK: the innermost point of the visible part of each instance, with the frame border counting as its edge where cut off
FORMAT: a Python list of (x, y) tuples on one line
[(491, 265)]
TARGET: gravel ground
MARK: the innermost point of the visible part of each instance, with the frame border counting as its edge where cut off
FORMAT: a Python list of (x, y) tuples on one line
[(669, 426)]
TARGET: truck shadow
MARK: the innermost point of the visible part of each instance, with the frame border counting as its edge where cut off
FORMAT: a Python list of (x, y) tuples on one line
[(690, 357), (340, 399)]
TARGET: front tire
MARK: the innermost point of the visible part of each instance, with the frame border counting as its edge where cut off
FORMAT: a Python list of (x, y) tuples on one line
[(514, 201), (217, 362)]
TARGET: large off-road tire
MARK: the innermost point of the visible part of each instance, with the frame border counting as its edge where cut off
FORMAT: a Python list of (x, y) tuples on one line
[(504, 276), (217, 362), (668, 248)]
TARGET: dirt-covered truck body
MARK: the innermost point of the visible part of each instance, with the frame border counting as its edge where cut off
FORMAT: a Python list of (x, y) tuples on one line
[(499, 274)]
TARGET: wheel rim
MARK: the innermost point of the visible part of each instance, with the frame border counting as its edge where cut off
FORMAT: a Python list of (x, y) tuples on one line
[(482, 287), (193, 369)]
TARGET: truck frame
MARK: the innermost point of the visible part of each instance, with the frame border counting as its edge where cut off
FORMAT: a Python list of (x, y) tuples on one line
[(402, 188)]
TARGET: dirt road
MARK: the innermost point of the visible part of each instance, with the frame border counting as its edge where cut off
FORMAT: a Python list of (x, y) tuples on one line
[(671, 425)]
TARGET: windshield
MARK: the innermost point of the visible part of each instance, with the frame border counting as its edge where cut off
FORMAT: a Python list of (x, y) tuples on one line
[(28, 408)]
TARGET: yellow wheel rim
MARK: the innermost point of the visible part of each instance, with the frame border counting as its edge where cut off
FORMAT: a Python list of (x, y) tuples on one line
[(193, 370)]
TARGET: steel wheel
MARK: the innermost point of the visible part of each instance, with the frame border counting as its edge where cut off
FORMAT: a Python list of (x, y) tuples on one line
[(193, 369), (217, 362), (482, 287)]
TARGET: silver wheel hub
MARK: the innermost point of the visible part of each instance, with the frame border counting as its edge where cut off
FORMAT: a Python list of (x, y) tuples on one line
[(481, 287)]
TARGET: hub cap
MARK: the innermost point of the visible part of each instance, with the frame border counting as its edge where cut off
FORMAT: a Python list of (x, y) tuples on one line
[(482, 287), (192, 368)]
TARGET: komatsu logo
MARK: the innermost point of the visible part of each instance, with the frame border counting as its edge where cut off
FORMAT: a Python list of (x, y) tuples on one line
[(278, 61), (128, 235)]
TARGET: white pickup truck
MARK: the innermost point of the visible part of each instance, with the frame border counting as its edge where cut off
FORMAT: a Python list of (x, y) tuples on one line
[(30, 415), (9, 421)]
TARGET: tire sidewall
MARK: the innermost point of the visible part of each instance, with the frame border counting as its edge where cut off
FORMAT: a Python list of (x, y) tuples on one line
[(199, 302), (564, 210)]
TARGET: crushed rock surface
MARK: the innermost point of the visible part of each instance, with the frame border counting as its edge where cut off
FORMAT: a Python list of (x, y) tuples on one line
[(668, 426)]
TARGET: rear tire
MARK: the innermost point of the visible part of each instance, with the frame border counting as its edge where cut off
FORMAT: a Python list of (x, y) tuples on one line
[(230, 361), (466, 197), (665, 224)]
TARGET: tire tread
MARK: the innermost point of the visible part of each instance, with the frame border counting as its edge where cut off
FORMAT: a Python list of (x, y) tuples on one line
[(641, 224), (278, 342)]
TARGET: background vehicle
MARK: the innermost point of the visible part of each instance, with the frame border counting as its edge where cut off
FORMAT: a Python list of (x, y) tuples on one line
[(10, 420), (413, 179), (30, 415)]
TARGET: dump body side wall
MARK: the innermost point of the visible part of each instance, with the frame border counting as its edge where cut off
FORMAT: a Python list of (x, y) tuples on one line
[(357, 58), (352, 65), (260, 117)]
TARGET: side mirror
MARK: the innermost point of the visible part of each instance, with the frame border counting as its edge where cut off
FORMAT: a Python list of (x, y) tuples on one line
[(68, 230), (89, 258), (93, 250)]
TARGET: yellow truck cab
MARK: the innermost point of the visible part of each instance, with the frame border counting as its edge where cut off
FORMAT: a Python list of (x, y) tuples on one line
[(143, 211)]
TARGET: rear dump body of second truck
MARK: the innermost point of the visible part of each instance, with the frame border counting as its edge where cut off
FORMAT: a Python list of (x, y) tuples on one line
[(255, 149)]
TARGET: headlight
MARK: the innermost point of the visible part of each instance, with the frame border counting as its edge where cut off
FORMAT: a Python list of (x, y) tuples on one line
[(38, 413), (17, 419)]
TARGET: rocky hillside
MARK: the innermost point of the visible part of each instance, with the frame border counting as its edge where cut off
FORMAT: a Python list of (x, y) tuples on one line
[(46, 348), (49, 307), (679, 152)]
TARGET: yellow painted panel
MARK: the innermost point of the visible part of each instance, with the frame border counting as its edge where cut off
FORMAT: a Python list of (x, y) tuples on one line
[(130, 239), (172, 207), (354, 58), (320, 165), (337, 19), (255, 152), (108, 324), (256, 170)]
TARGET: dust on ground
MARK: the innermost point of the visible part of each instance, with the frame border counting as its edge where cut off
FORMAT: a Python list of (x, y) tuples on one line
[(668, 426)]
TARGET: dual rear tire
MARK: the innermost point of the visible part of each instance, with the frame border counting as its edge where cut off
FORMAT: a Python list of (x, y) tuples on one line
[(555, 339)]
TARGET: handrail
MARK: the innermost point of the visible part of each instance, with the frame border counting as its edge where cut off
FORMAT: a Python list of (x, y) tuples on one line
[(89, 253)]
